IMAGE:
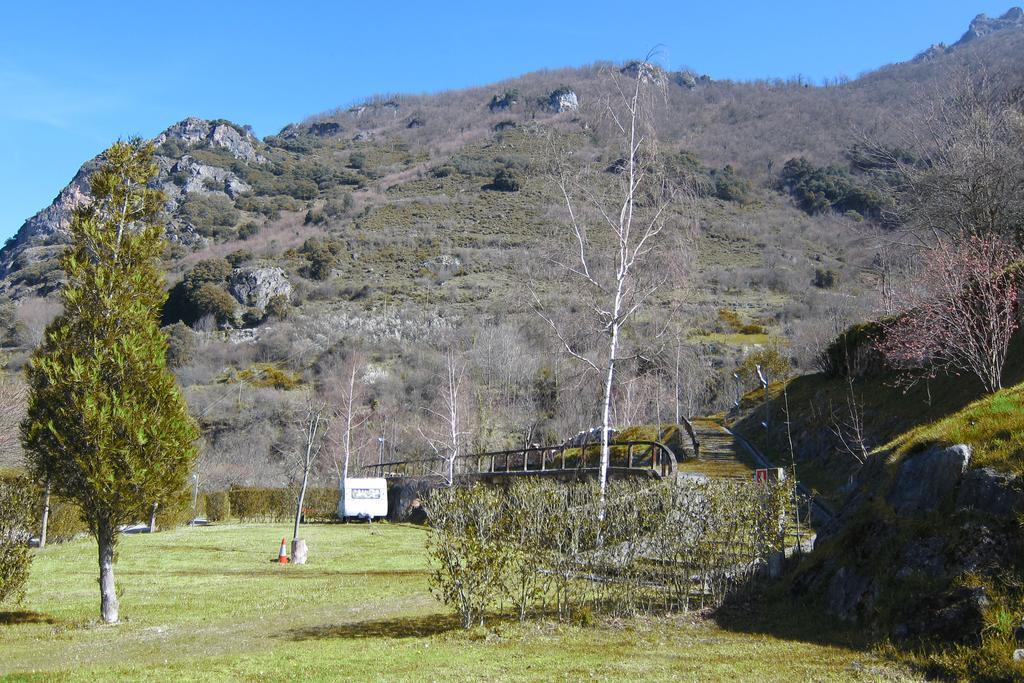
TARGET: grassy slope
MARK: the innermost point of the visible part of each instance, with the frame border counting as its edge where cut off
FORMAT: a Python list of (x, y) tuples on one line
[(203, 604), (993, 426), (948, 409)]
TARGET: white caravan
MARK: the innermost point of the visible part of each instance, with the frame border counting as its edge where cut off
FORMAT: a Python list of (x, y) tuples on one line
[(365, 498)]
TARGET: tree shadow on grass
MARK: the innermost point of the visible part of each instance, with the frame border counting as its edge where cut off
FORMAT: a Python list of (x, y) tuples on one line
[(777, 615), (398, 627), (24, 617)]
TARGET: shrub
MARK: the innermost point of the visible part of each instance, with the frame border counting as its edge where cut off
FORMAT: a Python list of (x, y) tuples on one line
[(278, 307), (824, 279), (207, 212), (250, 504), (215, 270), (181, 345), (505, 180), (218, 506), (17, 511), (542, 542), (65, 521), (729, 186), (176, 511), (248, 230), (357, 160), (818, 189), (775, 366), (467, 549), (197, 294), (320, 505), (211, 299), (321, 258), (239, 257)]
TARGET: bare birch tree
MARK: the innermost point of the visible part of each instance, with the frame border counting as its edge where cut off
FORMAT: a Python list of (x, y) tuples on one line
[(312, 426), (615, 226), (446, 439), (351, 415)]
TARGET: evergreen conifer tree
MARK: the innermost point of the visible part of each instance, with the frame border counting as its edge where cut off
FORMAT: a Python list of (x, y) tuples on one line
[(106, 423)]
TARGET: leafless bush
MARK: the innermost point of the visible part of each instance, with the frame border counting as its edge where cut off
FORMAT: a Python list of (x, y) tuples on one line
[(661, 545)]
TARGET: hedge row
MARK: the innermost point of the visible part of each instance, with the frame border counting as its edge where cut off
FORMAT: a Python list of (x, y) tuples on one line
[(251, 504)]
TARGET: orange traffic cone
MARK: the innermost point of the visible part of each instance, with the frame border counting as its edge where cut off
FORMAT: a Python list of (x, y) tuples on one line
[(282, 556)]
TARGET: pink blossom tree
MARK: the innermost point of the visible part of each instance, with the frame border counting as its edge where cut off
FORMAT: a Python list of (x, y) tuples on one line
[(963, 313)]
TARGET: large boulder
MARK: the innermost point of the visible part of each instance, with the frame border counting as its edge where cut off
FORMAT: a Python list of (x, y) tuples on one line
[(255, 286), (199, 178), (927, 479), (563, 99), (990, 492), (647, 72), (851, 595)]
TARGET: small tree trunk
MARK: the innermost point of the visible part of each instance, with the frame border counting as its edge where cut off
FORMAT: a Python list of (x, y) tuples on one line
[(105, 540), (298, 506), (46, 516), (152, 518), (606, 417)]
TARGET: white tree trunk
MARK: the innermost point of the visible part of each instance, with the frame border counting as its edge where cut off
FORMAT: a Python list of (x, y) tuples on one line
[(46, 516), (108, 593)]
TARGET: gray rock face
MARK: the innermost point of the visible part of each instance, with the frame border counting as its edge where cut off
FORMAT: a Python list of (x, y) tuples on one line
[(194, 131), (983, 25), (1018, 655), (648, 73), (325, 129), (990, 492), (685, 79), (926, 479), (255, 286), (203, 179), (849, 594), (563, 100), (50, 225), (442, 262)]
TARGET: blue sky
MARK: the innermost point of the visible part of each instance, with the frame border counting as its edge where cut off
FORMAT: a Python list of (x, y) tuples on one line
[(75, 76)]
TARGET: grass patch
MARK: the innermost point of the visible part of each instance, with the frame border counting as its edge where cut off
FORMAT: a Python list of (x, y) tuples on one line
[(993, 427), (207, 604)]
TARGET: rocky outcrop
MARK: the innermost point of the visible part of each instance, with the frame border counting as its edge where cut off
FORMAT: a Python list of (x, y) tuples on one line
[(196, 177), (325, 129), (194, 132), (503, 101), (647, 72), (927, 479), (990, 492), (256, 286), (563, 99), (689, 80), (442, 262), (981, 26), (177, 177), (899, 550)]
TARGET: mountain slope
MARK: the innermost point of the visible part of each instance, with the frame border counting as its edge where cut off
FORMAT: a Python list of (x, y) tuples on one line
[(383, 231)]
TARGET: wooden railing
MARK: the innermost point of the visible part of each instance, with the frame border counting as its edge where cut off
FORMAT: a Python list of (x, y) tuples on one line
[(626, 456)]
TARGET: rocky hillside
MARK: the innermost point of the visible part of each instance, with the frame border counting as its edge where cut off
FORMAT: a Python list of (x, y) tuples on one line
[(399, 227)]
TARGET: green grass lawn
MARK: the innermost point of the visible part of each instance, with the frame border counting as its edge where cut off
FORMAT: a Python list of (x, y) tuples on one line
[(208, 604)]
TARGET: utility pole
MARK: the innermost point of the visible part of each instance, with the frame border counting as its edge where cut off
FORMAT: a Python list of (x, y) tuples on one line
[(762, 375), (195, 497), (46, 515)]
